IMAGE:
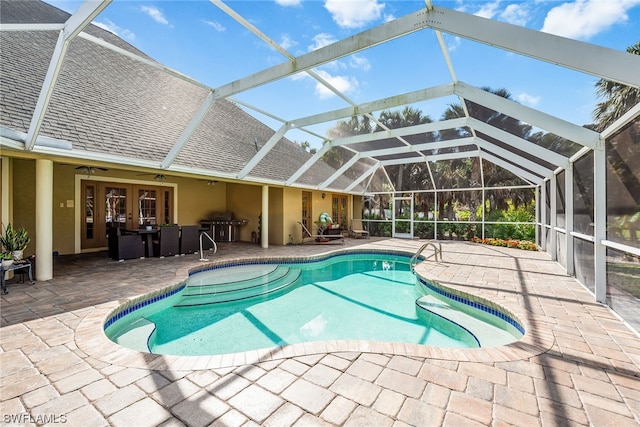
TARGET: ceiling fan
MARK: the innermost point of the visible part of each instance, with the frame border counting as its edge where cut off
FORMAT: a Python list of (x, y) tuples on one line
[(209, 182), (90, 170), (86, 169), (158, 177)]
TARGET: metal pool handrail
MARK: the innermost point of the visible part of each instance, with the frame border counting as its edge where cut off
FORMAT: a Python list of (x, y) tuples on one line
[(215, 247), (437, 249)]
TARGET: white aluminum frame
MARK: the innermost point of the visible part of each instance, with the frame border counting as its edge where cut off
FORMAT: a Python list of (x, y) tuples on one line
[(587, 58)]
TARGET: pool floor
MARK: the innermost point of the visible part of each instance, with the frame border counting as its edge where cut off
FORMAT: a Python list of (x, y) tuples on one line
[(349, 297)]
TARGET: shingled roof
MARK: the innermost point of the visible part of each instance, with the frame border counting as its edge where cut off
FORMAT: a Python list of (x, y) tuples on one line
[(111, 103), (105, 103)]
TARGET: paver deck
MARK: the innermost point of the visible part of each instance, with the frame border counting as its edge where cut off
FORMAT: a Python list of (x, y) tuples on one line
[(578, 364)]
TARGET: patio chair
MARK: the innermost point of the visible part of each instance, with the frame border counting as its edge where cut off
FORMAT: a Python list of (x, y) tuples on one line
[(189, 235), (168, 241), (358, 230), (124, 246)]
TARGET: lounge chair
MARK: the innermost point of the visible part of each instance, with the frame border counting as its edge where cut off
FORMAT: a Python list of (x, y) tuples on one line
[(357, 229), (320, 238)]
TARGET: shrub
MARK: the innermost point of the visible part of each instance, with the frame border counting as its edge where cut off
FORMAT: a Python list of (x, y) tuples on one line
[(511, 231), (520, 244)]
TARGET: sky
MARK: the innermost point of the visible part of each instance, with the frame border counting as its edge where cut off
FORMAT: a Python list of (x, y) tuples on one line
[(198, 39)]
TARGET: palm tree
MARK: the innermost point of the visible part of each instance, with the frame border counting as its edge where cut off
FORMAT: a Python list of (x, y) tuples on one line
[(356, 125), (413, 175), (493, 174), (618, 98)]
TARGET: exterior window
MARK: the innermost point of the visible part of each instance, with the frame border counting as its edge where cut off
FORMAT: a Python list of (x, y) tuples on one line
[(339, 210), (167, 207), (116, 206), (89, 196), (306, 209), (146, 207)]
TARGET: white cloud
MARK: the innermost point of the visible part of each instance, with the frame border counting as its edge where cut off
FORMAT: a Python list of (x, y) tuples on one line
[(452, 42), (359, 62), (343, 83), (322, 40), (286, 42), (216, 26), (526, 99), (113, 28), (289, 3), (516, 14), (488, 10), (354, 13), (584, 19), (155, 14)]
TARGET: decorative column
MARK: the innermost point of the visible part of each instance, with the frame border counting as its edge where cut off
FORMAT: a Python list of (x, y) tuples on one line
[(6, 191), (264, 235), (44, 219)]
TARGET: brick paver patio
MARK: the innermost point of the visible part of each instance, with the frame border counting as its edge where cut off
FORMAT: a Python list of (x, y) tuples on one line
[(579, 364)]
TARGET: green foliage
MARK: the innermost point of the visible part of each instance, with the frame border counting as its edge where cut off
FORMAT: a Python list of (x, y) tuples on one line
[(617, 98), (379, 229), (14, 239), (511, 231), (423, 230), (510, 243)]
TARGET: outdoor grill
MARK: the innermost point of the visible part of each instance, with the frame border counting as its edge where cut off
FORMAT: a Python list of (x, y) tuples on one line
[(222, 226)]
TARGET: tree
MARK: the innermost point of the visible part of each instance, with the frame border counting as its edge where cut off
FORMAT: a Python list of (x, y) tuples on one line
[(337, 156), (618, 98), (412, 175), (455, 174)]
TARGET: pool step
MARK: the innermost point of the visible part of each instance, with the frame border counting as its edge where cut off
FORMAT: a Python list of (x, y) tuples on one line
[(487, 334), (206, 294), (136, 336), (230, 275)]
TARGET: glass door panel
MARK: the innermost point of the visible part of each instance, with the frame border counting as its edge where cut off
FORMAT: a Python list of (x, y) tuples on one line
[(121, 205), (90, 221), (339, 210), (306, 213), (147, 206), (115, 207), (402, 217)]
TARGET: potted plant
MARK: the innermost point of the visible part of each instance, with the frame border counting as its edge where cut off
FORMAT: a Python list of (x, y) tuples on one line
[(6, 258), (14, 241)]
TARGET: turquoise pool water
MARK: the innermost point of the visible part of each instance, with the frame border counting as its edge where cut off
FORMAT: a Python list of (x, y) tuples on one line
[(345, 297)]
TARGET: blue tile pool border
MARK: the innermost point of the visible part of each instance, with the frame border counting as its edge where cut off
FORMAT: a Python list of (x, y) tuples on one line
[(461, 297), (141, 302), (465, 299)]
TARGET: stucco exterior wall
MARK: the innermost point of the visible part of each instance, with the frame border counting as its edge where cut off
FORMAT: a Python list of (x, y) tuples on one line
[(292, 213), (357, 207), (196, 200), (276, 214), (63, 209), (24, 201), (245, 201)]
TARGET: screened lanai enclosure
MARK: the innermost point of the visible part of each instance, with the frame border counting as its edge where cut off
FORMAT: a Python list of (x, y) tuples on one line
[(490, 167)]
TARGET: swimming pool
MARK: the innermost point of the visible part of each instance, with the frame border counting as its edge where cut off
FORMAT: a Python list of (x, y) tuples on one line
[(364, 296)]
